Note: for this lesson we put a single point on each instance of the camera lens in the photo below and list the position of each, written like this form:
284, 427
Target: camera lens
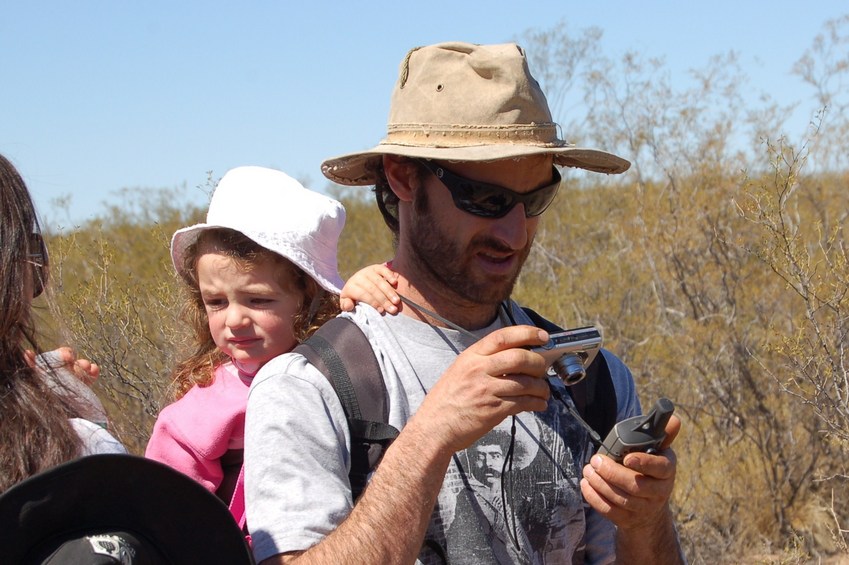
570, 368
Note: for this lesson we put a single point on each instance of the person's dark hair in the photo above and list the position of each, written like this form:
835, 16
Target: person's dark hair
35, 432
317, 304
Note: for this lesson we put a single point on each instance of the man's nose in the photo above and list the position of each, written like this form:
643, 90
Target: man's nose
512, 229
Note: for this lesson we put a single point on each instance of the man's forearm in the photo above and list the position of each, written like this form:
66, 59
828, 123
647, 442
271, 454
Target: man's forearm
388, 523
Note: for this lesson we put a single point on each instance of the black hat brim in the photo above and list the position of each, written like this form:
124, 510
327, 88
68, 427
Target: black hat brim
177, 516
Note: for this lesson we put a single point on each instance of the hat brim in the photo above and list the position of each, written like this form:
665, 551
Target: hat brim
107, 493
185, 237
358, 169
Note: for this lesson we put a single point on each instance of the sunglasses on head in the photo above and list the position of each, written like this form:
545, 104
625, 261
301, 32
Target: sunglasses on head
37, 258
489, 200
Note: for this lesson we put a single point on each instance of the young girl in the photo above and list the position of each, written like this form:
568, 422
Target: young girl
262, 276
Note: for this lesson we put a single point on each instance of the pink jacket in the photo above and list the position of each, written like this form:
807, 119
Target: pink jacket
192, 434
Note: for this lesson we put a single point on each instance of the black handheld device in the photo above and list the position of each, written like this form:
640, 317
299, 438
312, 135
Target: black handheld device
640, 433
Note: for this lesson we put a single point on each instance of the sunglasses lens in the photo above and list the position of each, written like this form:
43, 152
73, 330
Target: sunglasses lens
37, 281
482, 200
538, 201
38, 261
492, 201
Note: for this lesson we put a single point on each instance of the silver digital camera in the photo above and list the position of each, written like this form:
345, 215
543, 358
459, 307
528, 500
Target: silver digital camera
570, 352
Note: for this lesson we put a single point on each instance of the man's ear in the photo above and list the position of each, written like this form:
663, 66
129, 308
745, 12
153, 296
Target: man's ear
402, 175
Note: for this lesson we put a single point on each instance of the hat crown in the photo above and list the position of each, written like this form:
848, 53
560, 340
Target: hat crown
259, 199
461, 85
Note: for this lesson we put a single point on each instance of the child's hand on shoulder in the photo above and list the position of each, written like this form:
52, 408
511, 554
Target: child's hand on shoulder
374, 285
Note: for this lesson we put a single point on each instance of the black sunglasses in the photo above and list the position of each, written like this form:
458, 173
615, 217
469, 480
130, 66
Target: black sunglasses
37, 258
490, 200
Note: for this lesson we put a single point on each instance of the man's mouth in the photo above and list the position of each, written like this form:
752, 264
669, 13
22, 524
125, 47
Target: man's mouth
497, 263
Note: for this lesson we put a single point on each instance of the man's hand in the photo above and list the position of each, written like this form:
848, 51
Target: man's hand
494, 378
635, 497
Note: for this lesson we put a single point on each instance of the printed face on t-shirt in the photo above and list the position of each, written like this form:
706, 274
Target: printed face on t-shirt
487, 461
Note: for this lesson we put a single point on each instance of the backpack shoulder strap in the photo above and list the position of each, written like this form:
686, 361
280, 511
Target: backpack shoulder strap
594, 396
343, 354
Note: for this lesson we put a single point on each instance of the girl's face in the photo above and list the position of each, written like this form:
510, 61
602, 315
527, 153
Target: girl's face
250, 314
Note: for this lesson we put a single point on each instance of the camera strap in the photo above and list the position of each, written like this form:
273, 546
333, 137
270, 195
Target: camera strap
437, 317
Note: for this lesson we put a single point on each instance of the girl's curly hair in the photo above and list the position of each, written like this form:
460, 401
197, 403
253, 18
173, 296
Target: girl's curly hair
317, 304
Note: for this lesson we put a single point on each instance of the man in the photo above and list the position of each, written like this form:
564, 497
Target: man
465, 171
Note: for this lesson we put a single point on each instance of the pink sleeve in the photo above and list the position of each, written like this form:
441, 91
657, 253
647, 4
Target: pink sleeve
169, 445
192, 434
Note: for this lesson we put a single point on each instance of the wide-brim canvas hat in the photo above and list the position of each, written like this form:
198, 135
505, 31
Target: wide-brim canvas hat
466, 102
165, 516
278, 213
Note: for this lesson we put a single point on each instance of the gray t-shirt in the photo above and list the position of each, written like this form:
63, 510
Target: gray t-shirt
527, 510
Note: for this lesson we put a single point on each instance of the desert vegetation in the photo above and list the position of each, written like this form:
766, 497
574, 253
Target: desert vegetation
716, 268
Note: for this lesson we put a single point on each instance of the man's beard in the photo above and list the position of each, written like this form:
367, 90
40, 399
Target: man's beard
444, 260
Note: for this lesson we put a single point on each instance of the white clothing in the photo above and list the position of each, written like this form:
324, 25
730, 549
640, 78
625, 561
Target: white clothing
95, 438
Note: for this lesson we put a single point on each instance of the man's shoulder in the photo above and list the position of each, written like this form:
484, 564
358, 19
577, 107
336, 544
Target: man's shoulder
291, 364
380, 329
627, 401
617, 367
367, 319
527, 315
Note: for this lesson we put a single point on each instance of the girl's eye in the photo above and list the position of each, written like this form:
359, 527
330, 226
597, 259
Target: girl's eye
214, 303
261, 301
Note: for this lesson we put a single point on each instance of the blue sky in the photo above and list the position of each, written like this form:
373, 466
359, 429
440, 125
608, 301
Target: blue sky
100, 95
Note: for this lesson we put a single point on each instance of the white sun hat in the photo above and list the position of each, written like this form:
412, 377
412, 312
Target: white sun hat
280, 214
